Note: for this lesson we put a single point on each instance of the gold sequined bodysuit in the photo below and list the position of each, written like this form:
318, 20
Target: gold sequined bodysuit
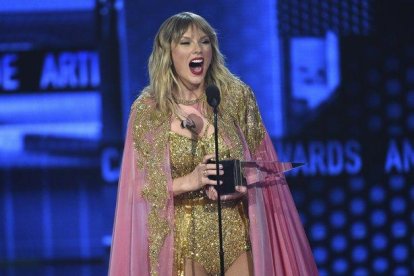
196, 225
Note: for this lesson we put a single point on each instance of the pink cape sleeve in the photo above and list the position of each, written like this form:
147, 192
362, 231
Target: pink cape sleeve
279, 242
130, 238
129, 248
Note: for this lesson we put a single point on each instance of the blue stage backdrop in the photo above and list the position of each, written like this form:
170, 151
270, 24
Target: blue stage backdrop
334, 81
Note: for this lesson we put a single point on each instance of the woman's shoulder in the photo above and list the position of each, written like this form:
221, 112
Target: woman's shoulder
144, 102
238, 91
146, 112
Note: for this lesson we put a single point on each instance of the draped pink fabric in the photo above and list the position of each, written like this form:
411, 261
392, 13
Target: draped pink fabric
129, 250
279, 243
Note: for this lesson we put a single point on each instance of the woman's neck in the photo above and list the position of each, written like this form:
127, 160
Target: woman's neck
189, 95
185, 94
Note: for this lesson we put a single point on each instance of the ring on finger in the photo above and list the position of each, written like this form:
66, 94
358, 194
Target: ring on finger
205, 173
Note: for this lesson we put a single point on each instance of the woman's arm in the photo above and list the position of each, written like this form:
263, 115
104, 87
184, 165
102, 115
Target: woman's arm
197, 179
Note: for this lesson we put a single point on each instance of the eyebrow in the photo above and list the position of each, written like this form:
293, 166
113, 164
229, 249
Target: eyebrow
187, 37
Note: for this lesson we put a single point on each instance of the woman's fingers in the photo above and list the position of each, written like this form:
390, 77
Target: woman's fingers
211, 193
206, 169
208, 172
204, 175
231, 196
213, 166
241, 189
207, 157
213, 182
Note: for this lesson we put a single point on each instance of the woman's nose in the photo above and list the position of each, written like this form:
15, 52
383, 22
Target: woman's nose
197, 48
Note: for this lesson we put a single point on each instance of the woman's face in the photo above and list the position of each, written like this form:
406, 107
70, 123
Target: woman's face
191, 57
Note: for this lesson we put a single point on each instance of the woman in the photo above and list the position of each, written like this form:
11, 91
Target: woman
166, 216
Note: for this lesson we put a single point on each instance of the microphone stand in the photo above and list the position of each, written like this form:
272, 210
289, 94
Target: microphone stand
218, 193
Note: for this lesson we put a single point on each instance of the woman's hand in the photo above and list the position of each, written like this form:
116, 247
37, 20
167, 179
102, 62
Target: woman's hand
198, 178
211, 192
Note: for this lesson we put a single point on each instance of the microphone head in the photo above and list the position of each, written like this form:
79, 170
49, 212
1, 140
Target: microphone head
213, 95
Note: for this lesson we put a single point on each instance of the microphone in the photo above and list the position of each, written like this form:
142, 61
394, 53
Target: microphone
213, 95
213, 99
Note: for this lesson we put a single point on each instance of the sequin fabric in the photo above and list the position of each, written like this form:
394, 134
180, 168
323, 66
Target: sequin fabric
238, 112
148, 126
196, 225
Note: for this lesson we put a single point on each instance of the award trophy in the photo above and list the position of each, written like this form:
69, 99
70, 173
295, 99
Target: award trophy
249, 173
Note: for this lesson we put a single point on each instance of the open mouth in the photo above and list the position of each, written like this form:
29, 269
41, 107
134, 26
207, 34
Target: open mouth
196, 66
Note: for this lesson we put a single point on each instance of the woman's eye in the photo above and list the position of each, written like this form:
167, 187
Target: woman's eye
207, 41
184, 43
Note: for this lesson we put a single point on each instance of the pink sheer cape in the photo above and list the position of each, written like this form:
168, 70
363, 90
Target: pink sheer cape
279, 243
129, 250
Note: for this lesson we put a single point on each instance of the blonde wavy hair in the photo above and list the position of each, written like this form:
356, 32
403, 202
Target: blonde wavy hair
161, 69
